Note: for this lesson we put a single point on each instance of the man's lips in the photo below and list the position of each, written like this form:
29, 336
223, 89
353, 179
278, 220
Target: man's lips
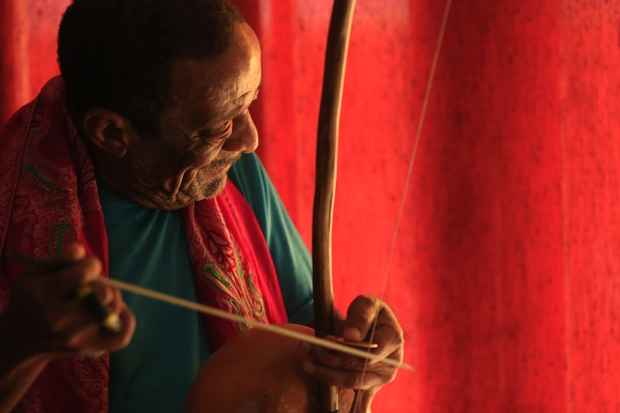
188, 177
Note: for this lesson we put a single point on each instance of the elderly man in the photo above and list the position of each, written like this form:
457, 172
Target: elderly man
138, 164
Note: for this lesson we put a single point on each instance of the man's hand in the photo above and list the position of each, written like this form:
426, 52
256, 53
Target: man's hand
45, 321
352, 372
44, 318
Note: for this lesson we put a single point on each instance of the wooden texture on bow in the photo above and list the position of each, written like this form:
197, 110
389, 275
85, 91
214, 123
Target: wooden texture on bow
325, 184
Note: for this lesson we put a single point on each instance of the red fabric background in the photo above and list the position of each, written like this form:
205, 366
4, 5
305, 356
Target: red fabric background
506, 272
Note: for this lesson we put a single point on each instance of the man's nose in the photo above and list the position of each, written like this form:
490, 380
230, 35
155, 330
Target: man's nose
244, 137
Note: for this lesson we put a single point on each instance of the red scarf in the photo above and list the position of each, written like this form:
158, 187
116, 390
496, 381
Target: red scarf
49, 197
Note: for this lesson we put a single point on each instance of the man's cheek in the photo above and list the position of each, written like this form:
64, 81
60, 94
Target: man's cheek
202, 159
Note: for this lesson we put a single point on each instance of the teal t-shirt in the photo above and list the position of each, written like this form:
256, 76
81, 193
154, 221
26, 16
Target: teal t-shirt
148, 247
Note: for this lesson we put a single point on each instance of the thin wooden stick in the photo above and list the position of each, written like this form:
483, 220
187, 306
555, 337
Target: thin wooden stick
325, 181
215, 312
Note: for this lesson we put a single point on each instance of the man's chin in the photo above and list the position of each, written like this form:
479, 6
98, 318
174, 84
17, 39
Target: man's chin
194, 193
212, 189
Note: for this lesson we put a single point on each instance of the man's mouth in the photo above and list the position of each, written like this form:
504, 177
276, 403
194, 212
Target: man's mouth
215, 172
186, 182
224, 164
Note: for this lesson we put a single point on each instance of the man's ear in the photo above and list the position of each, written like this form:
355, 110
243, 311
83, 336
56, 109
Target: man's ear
108, 131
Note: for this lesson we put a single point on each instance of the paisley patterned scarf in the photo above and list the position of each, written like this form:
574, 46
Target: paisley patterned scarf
49, 197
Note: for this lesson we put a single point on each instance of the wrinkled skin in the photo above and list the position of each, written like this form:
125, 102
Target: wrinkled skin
204, 129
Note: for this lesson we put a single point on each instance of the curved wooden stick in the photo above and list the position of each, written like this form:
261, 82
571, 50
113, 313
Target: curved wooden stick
325, 184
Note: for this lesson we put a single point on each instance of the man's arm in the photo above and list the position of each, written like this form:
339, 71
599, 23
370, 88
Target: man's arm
41, 323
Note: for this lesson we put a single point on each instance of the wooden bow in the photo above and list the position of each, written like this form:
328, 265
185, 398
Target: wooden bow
325, 183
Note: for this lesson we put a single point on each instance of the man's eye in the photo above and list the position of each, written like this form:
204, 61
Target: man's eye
217, 133
225, 130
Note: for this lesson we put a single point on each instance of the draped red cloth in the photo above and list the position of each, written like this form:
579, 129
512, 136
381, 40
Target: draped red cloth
48, 198
505, 277
506, 272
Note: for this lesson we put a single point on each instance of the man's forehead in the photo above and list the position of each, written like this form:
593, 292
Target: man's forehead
203, 96
204, 91
229, 76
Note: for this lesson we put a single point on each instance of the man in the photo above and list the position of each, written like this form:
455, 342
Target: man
138, 164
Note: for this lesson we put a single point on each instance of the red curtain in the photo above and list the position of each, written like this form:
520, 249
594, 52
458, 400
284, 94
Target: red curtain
28, 30
505, 272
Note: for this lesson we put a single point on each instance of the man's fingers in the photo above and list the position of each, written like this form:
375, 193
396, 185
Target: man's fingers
76, 336
348, 380
66, 282
352, 364
338, 360
388, 334
89, 337
68, 319
73, 252
72, 314
105, 295
64, 304
366, 312
360, 317
58, 279
99, 299
116, 305
113, 342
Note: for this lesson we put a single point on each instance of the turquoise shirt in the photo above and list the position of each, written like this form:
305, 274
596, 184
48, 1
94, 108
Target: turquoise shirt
148, 247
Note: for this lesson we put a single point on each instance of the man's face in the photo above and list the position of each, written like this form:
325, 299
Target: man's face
204, 130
